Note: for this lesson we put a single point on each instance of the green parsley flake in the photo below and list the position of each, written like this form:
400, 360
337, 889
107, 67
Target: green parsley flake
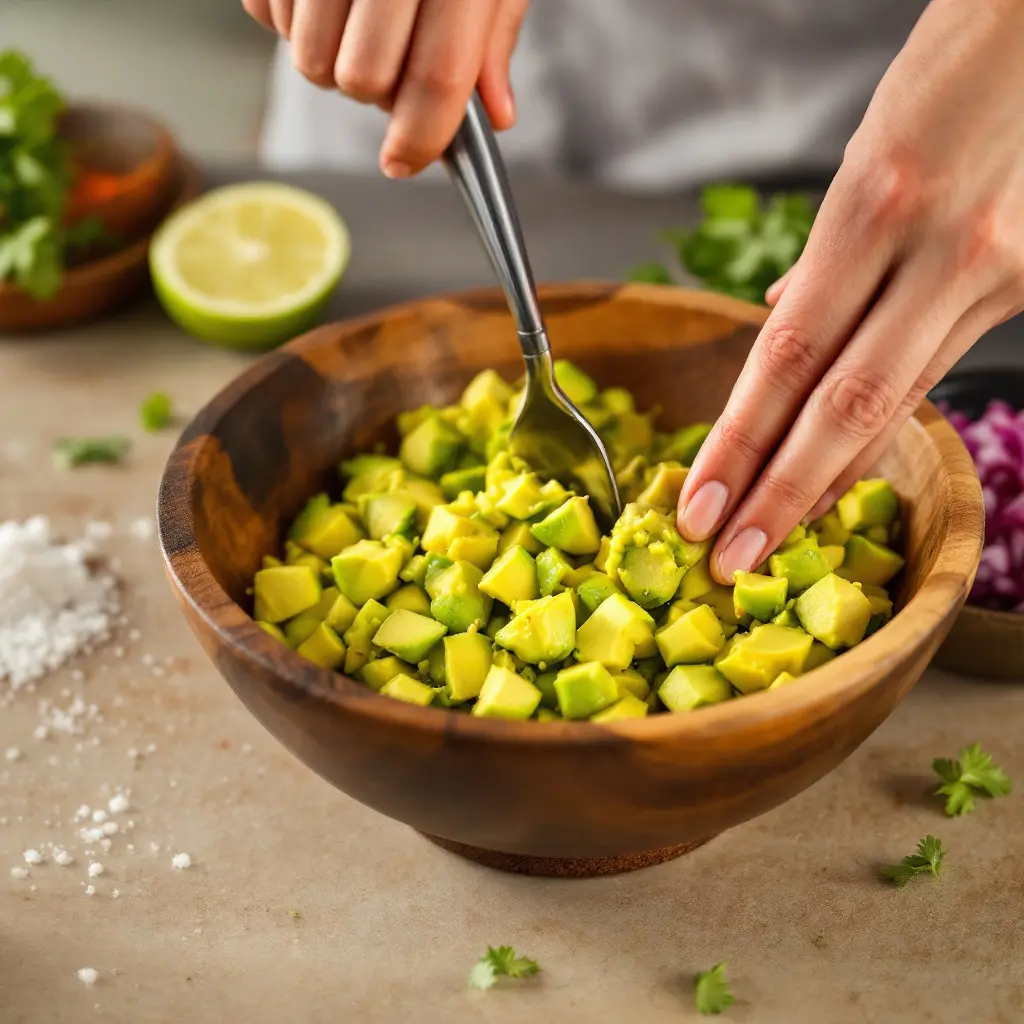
156, 412
78, 451
975, 771
711, 992
928, 858
500, 963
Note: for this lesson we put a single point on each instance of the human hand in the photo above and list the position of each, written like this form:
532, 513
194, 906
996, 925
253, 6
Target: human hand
420, 60
917, 250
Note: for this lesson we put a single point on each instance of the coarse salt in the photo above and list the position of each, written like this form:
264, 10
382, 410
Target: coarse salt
180, 861
95, 869
19, 873
41, 732
33, 857
142, 528
118, 803
99, 815
90, 890
62, 858
13, 754
88, 976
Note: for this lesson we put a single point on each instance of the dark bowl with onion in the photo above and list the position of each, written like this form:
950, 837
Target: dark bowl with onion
986, 406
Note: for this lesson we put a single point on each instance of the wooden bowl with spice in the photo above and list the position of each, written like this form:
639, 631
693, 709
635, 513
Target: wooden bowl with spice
559, 798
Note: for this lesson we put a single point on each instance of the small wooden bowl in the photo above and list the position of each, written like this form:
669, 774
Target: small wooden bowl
983, 642
99, 287
565, 798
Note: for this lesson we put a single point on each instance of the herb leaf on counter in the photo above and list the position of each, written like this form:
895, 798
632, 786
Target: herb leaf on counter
78, 451
711, 992
975, 771
500, 963
928, 858
156, 412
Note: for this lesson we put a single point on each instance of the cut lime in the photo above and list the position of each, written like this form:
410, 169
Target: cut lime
249, 266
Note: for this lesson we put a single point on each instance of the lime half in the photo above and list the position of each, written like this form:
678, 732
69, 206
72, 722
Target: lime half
249, 266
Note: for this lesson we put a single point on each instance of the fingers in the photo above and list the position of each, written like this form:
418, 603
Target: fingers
777, 290
374, 49
259, 10
281, 16
444, 63
316, 30
494, 85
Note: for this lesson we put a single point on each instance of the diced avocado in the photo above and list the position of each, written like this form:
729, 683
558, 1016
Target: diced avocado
570, 527
615, 633
409, 419
323, 647
415, 569
755, 659
552, 567
387, 513
295, 555
519, 533
834, 611
868, 562
303, 625
271, 630
367, 571
617, 400
697, 581
761, 597
649, 574
410, 597
543, 632
270, 562
513, 577
720, 599
284, 591
412, 691
467, 661
782, 679
496, 622
408, 636
368, 473
601, 558
358, 637
484, 406
506, 694
377, 672
584, 690
879, 534
545, 714
545, 682
324, 529
578, 387
881, 602
835, 553
431, 448
521, 496
629, 433
802, 564
460, 538
627, 706
631, 478
688, 687
629, 680
425, 493
341, 614
830, 529
663, 490
819, 655
596, 589
868, 503
458, 480
456, 599
676, 610
684, 444
787, 617
694, 638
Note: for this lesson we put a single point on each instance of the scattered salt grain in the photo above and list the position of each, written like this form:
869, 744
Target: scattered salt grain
33, 857
142, 528
19, 873
13, 754
148, 659
92, 835
90, 890
83, 812
180, 861
77, 675
99, 530
99, 815
135, 635
62, 857
118, 651
111, 828
118, 803
116, 894
150, 748
41, 733
88, 976
95, 869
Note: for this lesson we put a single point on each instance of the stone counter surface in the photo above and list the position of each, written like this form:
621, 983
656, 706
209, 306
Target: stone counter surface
303, 906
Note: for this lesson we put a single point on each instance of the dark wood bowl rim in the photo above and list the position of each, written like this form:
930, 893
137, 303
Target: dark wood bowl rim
818, 691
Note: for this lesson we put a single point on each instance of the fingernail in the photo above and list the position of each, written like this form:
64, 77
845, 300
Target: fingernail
704, 510
825, 502
743, 552
396, 169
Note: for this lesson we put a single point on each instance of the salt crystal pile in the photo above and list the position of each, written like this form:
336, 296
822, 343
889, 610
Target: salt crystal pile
51, 604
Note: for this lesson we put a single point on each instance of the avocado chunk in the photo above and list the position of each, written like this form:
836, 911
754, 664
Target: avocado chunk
513, 577
676, 610
467, 661
387, 513
367, 571
570, 527
834, 611
594, 590
411, 597
552, 567
324, 529
431, 447
521, 496
650, 575
578, 387
282, 592
543, 631
693, 638
519, 533
323, 647
627, 706
720, 599
798, 533
584, 690
802, 564
358, 637
506, 694
457, 481
405, 688
629, 680
820, 655
425, 493
756, 658
616, 633
456, 599
835, 553
545, 682
663, 490
782, 679
458, 537
688, 687
697, 581
377, 672
760, 597
787, 617
868, 503
271, 630
548, 715
368, 473
408, 636
881, 602
868, 562
684, 444
830, 530
298, 629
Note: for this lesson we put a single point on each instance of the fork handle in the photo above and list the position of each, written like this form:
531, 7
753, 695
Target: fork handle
474, 163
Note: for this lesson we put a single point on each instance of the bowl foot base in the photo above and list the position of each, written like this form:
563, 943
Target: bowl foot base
564, 867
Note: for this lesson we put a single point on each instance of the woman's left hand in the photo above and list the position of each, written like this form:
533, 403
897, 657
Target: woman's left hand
918, 249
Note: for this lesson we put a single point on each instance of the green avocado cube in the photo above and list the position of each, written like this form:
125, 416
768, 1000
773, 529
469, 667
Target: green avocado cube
760, 597
303, 625
323, 647
410, 597
505, 694
341, 614
384, 514
455, 596
830, 530
584, 690
818, 656
802, 564
519, 534
324, 529
271, 630
753, 660
629, 680
406, 688
684, 444
545, 682
868, 562
698, 581
693, 638
571, 528
552, 568
520, 496
548, 715
408, 636
367, 571
688, 687
467, 661
782, 679
866, 504
284, 591
627, 706
457, 481
578, 387
594, 590
835, 553
432, 447
377, 672
665, 484
513, 577
834, 611
787, 617
358, 637
650, 575
617, 632
541, 632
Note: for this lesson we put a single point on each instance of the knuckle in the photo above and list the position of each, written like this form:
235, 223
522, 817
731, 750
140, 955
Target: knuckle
786, 351
441, 80
736, 443
313, 66
257, 9
858, 402
785, 495
886, 190
362, 82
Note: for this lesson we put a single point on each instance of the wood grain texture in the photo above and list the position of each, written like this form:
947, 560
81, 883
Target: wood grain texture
247, 463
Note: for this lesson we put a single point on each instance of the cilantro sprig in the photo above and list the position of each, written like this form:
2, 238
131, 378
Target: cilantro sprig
711, 992
973, 772
70, 452
927, 860
741, 245
156, 412
500, 963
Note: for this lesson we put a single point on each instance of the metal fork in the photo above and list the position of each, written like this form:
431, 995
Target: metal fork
549, 432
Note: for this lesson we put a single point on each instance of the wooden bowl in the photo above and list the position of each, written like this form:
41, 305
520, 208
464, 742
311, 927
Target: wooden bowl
562, 798
96, 288
983, 642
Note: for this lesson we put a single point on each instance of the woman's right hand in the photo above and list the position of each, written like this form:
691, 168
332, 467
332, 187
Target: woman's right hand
419, 60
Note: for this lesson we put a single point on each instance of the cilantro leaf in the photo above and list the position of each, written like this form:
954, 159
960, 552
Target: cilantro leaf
156, 412
500, 963
77, 451
928, 858
975, 771
711, 992
650, 273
